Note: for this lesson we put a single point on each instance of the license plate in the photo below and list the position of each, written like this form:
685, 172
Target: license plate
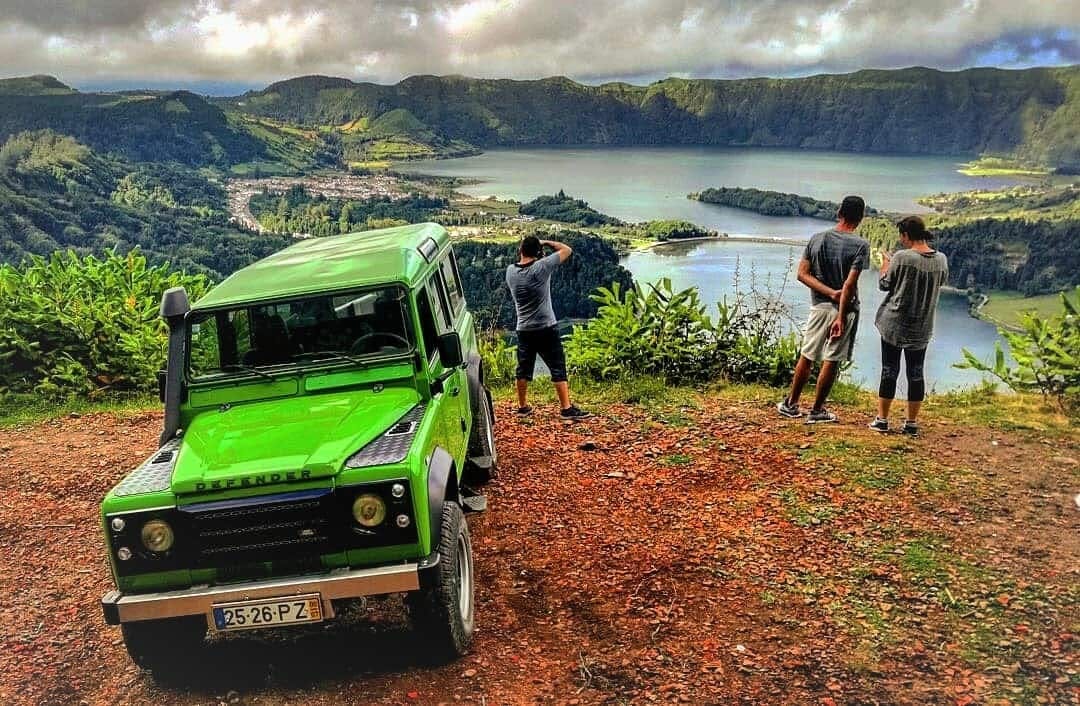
267, 612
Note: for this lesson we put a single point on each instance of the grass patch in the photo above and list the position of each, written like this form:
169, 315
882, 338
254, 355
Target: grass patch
30, 409
998, 166
805, 513
984, 405
1005, 307
865, 465
677, 460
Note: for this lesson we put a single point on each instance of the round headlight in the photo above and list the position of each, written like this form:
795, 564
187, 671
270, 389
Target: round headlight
402, 521
157, 536
397, 490
369, 510
117, 524
123, 553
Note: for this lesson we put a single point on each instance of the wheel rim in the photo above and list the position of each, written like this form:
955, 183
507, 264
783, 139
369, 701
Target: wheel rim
464, 577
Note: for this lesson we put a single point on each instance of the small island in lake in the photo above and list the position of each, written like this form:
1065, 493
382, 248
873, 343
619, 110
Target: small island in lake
770, 203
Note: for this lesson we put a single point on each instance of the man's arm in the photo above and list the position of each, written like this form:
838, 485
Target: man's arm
807, 278
846, 295
562, 249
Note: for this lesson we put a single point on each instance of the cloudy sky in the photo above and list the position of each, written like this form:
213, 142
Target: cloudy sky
221, 45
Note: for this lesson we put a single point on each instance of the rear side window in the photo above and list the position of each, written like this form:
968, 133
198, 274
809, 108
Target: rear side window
428, 328
453, 284
438, 288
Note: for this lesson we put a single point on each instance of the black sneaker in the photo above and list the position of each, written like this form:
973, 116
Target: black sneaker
524, 411
820, 416
791, 411
910, 428
879, 424
573, 412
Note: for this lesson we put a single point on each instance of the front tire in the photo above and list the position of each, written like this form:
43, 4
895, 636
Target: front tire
443, 613
159, 645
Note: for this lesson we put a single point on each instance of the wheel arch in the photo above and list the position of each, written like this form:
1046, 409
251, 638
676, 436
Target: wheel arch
442, 485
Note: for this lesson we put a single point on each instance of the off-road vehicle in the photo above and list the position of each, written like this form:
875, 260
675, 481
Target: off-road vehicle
325, 422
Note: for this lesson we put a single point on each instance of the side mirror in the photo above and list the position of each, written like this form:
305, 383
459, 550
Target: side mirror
449, 345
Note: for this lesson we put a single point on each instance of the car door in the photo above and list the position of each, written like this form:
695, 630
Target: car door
453, 398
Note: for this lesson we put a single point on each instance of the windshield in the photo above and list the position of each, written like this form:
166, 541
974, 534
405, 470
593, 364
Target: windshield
338, 327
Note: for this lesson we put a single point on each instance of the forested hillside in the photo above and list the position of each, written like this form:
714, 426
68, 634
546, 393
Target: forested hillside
56, 193
297, 211
175, 127
1033, 114
483, 275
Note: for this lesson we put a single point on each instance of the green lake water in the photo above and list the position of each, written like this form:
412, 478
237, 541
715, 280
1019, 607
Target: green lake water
638, 184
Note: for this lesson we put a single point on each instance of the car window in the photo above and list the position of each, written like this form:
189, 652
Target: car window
301, 331
443, 309
428, 328
448, 267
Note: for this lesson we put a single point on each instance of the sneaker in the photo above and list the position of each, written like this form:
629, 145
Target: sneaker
524, 411
879, 424
790, 411
573, 412
820, 416
910, 428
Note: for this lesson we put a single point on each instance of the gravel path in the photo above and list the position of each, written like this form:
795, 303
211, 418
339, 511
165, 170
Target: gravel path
701, 553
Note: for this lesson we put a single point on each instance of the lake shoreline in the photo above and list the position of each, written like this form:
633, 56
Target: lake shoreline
721, 239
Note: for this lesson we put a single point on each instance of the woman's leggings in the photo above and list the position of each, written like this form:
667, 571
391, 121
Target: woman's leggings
890, 370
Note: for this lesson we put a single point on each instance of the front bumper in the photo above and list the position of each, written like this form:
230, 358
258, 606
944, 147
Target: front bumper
198, 600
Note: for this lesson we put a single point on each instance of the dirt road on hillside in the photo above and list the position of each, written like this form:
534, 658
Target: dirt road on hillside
700, 553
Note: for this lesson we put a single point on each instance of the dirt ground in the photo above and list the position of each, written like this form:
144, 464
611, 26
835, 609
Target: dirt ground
702, 551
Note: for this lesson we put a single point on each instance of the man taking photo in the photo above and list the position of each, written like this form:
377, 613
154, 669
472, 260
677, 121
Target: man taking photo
830, 267
529, 282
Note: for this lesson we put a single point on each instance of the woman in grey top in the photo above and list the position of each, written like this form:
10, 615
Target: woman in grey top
912, 279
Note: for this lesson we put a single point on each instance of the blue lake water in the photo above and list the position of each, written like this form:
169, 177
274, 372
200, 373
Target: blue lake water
637, 184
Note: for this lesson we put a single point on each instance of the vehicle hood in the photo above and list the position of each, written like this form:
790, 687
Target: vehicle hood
282, 440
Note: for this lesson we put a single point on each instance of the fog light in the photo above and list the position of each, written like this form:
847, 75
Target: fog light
117, 524
402, 521
157, 536
397, 490
123, 553
369, 510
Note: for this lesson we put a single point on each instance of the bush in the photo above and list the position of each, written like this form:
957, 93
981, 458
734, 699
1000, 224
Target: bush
668, 334
500, 361
1047, 355
79, 326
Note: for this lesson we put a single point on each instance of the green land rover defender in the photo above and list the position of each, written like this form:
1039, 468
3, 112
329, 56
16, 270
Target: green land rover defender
326, 422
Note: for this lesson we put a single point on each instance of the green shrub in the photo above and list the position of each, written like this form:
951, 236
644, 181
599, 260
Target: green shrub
78, 326
500, 361
1047, 355
669, 334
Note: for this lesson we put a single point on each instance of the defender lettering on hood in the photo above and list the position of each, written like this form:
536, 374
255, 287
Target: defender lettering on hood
250, 481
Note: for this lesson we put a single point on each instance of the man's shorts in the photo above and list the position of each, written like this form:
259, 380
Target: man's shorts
546, 343
816, 345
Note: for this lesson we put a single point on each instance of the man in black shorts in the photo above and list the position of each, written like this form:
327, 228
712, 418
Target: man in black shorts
529, 282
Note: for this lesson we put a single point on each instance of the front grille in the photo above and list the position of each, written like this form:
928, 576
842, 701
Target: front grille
267, 528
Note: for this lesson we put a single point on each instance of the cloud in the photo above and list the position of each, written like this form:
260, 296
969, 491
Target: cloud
258, 41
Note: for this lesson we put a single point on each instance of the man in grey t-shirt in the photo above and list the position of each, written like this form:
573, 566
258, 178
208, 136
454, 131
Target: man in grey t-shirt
529, 282
830, 267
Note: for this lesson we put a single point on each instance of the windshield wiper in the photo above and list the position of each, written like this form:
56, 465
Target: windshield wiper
329, 355
248, 369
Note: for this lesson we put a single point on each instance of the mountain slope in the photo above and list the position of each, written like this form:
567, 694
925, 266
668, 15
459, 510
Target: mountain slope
177, 126
1029, 113
56, 193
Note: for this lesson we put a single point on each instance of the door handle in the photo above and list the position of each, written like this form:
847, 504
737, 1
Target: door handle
455, 392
